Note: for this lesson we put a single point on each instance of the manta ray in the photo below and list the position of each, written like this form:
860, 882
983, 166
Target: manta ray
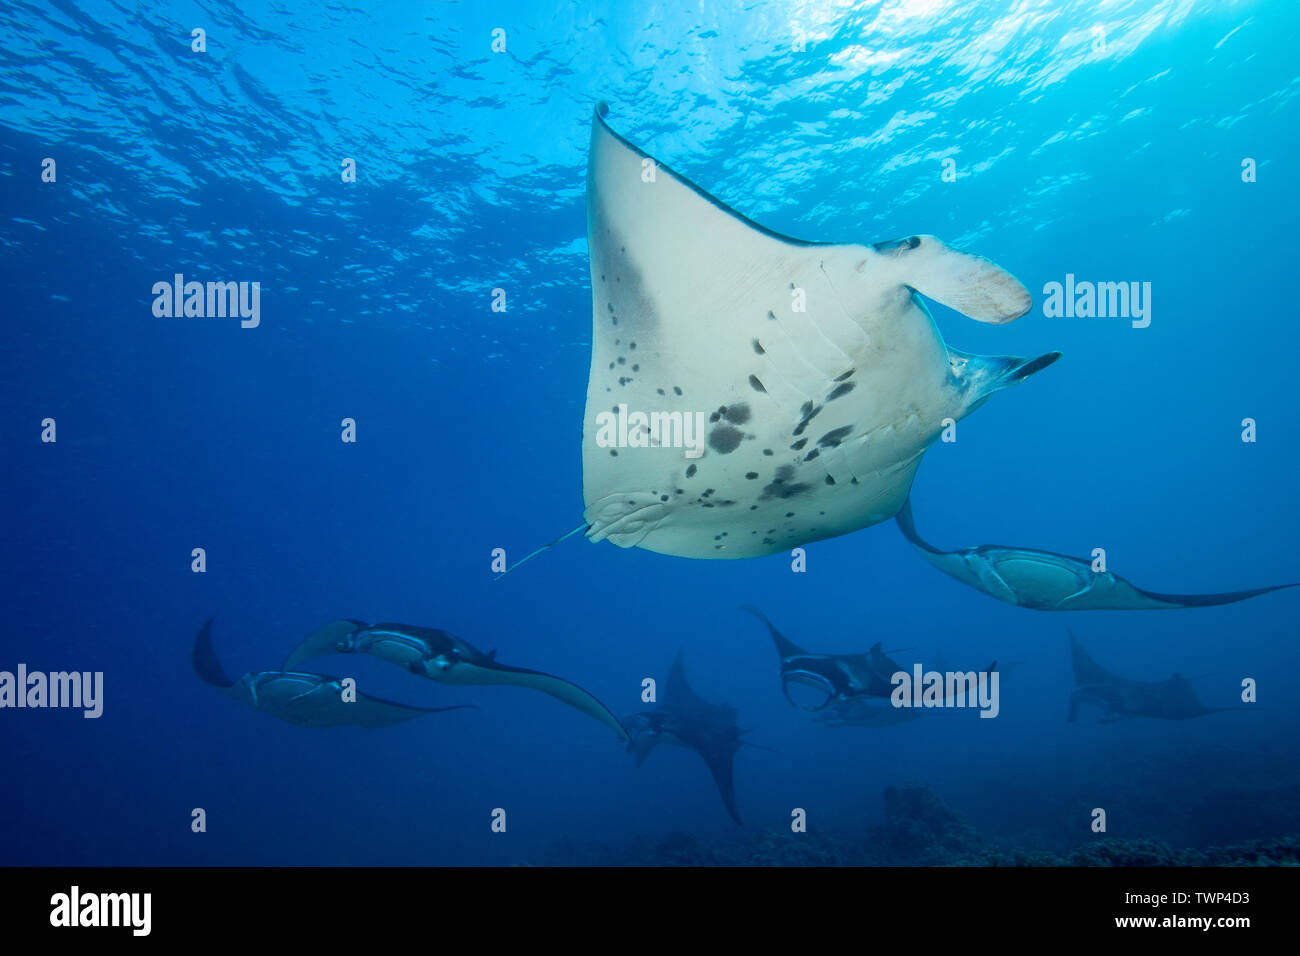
444, 658
750, 392
854, 684
301, 698
1118, 697
1045, 581
687, 720
816, 368
841, 677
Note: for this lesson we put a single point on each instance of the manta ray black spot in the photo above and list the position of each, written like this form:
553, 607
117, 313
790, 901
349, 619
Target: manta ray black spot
610, 306
622, 360
753, 508
690, 471
767, 451
637, 368
613, 453
811, 455
677, 390
611, 366
853, 481
808, 416
842, 377
737, 414
631, 345
715, 417
771, 316
830, 480
836, 435
758, 347
789, 514
707, 492
751, 475
724, 439
839, 392
798, 446
755, 384
778, 487
659, 390
663, 497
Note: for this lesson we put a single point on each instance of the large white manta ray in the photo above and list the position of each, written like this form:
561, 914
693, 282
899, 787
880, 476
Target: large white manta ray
818, 373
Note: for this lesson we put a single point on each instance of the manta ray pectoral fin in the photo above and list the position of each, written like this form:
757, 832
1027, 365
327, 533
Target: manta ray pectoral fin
376, 712
490, 672
784, 646
969, 284
322, 641
1204, 600
205, 662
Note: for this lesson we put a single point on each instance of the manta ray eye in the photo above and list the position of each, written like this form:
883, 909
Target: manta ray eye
442, 662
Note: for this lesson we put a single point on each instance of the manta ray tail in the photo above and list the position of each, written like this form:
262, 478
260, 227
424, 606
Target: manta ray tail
784, 646
205, 660
545, 547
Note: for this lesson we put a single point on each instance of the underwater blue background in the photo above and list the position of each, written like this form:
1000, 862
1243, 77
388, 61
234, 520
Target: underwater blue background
376, 305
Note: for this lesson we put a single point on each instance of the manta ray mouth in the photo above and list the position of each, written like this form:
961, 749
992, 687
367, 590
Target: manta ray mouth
807, 679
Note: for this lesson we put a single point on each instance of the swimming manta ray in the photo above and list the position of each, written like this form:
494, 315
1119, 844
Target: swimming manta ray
821, 373
445, 658
1119, 697
841, 677
852, 683
1046, 581
301, 698
819, 369
687, 720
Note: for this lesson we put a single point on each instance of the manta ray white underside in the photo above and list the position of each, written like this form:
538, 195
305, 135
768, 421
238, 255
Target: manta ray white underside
819, 374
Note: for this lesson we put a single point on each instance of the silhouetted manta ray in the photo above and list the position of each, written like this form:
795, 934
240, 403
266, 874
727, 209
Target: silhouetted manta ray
839, 676
1119, 697
686, 719
300, 698
847, 680
445, 658
1045, 581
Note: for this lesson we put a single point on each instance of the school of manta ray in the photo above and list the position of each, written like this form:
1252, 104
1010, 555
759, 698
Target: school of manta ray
818, 418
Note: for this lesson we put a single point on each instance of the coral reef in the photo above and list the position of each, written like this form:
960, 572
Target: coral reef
919, 829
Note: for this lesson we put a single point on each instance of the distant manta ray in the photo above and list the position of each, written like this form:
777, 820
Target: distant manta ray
854, 684
302, 698
445, 658
818, 367
688, 720
1120, 698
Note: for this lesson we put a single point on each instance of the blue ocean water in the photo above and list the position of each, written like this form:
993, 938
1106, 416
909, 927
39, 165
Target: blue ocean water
1107, 144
